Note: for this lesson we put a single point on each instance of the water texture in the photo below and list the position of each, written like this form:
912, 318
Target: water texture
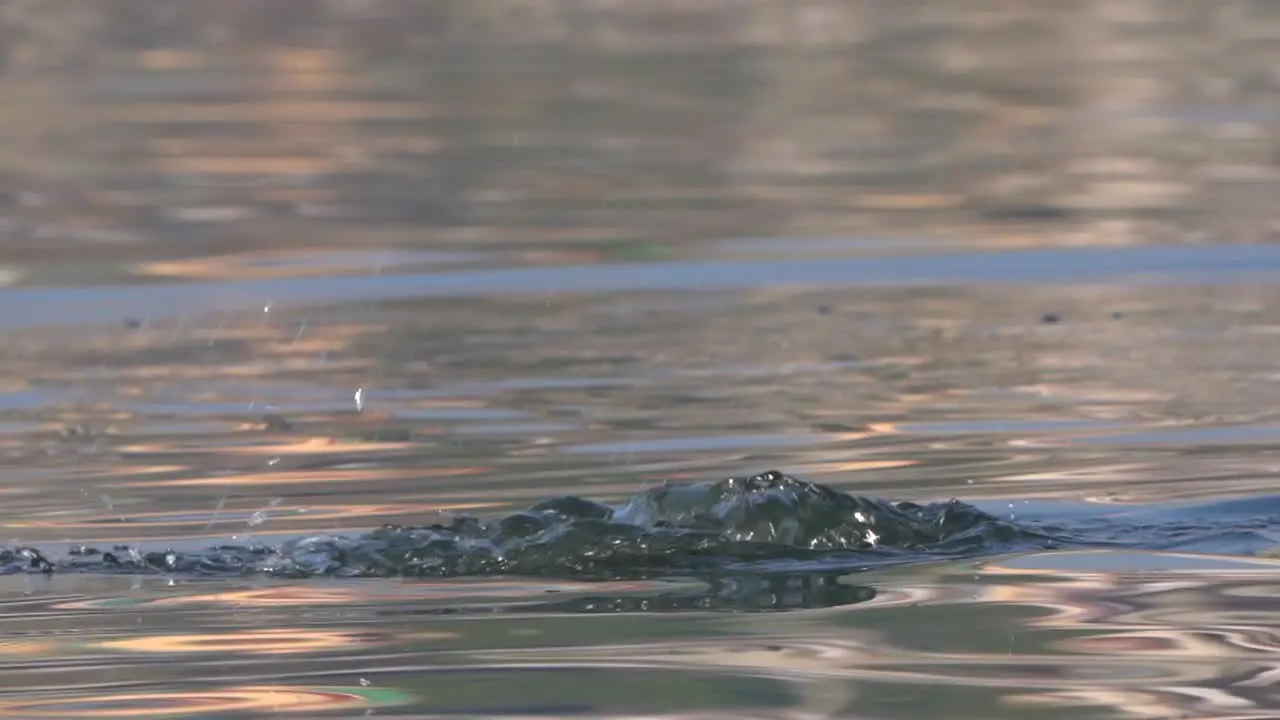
364, 358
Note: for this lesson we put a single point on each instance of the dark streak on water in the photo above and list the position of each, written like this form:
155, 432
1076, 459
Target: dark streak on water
1153, 264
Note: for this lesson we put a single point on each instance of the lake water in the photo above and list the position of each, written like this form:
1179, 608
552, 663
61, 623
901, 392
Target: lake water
680, 359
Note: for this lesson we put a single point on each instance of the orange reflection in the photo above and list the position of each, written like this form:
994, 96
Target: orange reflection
1151, 642
924, 201
27, 648
849, 466
130, 470
302, 446
308, 595
168, 59
295, 477
278, 264
243, 699
273, 641
280, 514
290, 596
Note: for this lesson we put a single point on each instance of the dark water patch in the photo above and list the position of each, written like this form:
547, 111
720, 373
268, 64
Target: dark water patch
765, 592
739, 593
1028, 213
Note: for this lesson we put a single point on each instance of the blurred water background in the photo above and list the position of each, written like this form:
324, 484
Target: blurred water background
280, 268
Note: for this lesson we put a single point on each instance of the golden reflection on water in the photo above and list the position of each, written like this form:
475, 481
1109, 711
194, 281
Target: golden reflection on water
269, 479
255, 642
245, 266
279, 514
311, 447
30, 648
319, 593
213, 702
845, 466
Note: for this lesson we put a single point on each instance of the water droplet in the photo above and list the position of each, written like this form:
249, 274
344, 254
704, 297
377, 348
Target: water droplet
222, 502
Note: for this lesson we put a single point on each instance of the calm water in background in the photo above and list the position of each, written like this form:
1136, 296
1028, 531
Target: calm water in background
282, 268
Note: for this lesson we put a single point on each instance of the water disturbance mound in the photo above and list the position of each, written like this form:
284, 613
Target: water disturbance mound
671, 529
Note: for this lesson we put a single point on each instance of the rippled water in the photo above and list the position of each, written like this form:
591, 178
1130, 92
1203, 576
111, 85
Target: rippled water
511, 359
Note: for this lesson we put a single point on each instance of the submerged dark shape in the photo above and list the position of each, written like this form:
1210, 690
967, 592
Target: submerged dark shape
701, 528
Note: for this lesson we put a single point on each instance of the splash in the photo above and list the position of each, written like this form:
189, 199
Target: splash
672, 529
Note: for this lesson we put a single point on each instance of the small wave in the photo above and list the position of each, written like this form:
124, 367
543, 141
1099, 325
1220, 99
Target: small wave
671, 529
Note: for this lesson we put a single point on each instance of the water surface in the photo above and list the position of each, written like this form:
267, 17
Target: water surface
528, 282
